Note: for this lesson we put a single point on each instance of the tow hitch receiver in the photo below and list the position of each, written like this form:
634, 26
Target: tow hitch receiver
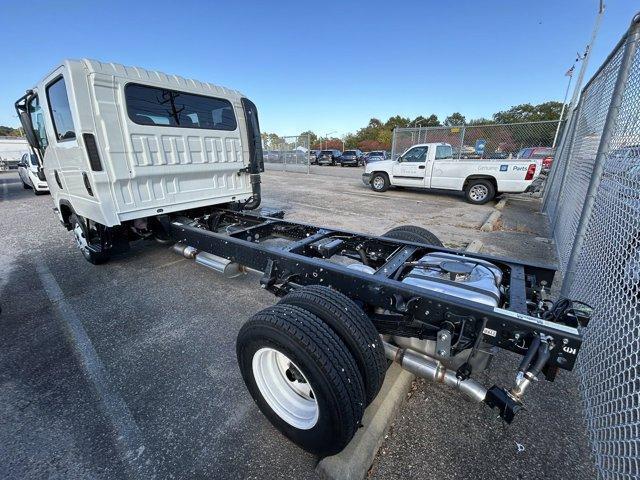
507, 405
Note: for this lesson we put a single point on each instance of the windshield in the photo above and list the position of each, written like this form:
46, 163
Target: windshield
376, 154
349, 152
326, 152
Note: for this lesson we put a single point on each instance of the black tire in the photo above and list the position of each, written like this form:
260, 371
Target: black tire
36, 192
323, 360
96, 258
24, 185
380, 185
353, 327
413, 233
475, 188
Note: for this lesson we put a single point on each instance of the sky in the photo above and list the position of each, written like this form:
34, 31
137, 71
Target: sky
323, 66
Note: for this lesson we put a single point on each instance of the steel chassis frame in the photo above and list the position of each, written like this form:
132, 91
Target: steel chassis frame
414, 311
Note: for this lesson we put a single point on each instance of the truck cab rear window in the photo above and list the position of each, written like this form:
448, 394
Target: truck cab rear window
159, 106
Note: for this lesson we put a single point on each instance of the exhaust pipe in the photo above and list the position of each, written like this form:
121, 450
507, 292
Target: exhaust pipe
431, 369
256, 196
185, 250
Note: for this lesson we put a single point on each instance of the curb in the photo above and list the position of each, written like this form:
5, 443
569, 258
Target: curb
502, 203
475, 246
491, 223
354, 461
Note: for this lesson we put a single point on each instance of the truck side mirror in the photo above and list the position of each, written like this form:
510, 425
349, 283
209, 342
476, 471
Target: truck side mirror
32, 139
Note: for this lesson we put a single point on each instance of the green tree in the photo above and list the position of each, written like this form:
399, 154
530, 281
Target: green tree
480, 121
9, 132
396, 121
455, 119
313, 138
526, 112
430, 121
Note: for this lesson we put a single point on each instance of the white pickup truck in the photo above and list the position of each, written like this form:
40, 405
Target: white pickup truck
431, 165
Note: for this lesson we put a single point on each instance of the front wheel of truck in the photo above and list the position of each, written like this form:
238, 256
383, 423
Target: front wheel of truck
380, 182
479, 191
85, 236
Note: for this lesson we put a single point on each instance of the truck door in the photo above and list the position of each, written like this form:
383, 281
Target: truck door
409, 169
63, 132
444, 170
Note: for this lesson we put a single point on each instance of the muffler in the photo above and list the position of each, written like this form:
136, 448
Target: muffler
433, 370
221, 265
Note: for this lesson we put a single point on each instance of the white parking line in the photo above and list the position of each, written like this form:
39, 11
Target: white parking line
128, 439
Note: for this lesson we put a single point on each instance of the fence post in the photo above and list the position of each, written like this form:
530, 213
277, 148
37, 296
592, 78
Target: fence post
463, 129
563, 174
564, 140
630, 48
308, 154
393, 143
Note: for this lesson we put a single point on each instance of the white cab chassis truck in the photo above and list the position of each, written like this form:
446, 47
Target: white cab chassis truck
129, 154
432, 166
120, 145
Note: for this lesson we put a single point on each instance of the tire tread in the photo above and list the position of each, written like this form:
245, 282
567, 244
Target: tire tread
353, 327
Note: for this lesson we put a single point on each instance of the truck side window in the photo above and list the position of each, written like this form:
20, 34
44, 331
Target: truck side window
37, 120
444, 151
416, 154
60, 111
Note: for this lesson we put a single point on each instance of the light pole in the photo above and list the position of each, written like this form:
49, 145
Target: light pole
564, 104
326, 138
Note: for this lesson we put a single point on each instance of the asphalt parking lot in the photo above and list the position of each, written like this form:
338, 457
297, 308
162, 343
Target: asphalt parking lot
129, 370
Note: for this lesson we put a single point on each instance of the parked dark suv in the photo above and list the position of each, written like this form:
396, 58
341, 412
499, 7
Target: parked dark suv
329, 157
313, 156
352, 158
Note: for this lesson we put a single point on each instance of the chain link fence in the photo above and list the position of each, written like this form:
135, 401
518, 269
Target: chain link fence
593, 204
287, 153
492, 141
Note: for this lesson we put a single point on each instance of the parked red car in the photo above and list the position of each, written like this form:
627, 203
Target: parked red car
545, 153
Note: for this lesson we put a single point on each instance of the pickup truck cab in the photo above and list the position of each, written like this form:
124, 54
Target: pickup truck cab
431, 165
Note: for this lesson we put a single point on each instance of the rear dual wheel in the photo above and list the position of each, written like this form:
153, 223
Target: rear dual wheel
415, 234
306, 374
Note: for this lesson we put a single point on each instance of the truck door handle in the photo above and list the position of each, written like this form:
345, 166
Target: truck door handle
421, 167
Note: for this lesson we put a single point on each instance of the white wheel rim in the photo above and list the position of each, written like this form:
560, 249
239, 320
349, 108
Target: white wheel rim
80, 238
378, 183
285, 388
478, 192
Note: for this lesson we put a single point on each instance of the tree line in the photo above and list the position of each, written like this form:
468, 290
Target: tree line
10, 132
377, 135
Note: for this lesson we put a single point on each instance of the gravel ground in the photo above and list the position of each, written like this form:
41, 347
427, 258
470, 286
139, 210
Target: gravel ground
160, 332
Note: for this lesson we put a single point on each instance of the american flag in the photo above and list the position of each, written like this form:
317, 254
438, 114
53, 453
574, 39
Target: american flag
570, 72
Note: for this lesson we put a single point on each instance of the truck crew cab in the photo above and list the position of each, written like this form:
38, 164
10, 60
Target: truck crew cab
431, 165
120, 145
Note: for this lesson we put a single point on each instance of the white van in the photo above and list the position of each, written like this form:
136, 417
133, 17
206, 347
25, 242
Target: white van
120, 145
